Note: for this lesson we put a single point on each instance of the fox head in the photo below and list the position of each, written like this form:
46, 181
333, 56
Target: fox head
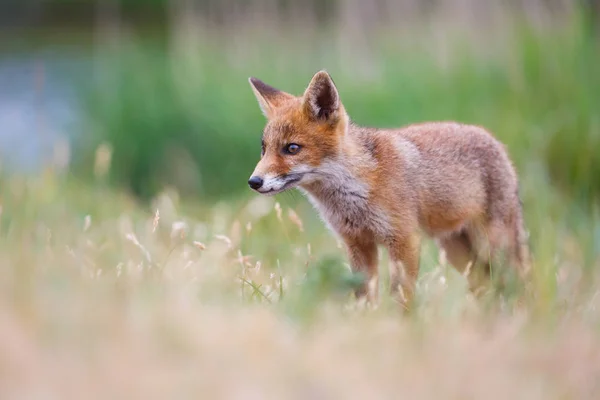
301, 134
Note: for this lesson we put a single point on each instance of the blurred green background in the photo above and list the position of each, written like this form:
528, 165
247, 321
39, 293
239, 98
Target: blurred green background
164, 83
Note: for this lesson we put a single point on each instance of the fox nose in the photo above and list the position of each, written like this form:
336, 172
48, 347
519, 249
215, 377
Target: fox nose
255, 182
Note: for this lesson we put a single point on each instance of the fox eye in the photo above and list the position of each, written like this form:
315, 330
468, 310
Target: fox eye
262, 148
291, 148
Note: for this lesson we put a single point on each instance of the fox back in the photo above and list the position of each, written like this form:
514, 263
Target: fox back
452, 182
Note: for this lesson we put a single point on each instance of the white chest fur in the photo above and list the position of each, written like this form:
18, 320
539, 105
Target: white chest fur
344, 204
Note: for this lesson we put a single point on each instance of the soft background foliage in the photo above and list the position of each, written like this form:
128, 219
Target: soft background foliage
136, 263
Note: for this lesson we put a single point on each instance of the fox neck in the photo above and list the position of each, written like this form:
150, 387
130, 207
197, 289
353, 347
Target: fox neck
339, 182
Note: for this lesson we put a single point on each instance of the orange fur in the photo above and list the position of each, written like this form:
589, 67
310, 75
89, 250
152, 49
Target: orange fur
451, 181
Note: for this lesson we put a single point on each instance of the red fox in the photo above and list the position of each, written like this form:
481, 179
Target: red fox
452, 182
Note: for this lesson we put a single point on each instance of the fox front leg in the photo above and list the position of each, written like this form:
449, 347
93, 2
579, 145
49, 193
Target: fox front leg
404, 268
363, 259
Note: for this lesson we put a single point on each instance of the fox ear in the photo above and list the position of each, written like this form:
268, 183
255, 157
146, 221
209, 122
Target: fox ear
321, 98
268, 97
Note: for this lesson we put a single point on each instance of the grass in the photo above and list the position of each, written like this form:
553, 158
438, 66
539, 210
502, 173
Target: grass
113, 298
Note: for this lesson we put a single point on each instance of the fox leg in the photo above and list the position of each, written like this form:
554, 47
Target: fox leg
483, 252
363, 259
459, 251
404, 268
500, 246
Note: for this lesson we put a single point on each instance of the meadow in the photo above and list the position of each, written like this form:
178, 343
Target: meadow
149, 270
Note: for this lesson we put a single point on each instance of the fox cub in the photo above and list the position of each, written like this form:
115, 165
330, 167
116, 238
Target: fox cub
452, 182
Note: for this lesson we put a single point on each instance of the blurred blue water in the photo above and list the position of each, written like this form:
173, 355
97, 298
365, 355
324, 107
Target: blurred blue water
38, 104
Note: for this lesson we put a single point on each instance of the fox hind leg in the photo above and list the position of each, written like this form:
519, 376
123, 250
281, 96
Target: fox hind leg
459, 251
487, 254
504, 252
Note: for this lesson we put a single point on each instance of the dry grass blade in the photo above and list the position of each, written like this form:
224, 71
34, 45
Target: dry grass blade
256, 288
